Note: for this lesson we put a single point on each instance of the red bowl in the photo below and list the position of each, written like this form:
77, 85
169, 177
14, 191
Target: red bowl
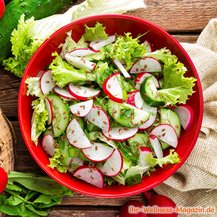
119, 24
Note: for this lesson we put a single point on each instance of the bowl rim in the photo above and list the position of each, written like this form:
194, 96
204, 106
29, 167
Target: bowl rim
175, 166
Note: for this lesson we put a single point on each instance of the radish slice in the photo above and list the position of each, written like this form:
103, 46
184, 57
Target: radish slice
147, 46
122, 69
141, 77
80, 62
76, 135
48, 144
98, 117
113, 165
48, 106
131, 98
120, 133
82, 52
186, 114
156, 146
82, 93
139, 103
63, 93
81, 109
147, 64
112, 87
46, 83
90, 175
97, 45
166, 133
143, 152
98, 152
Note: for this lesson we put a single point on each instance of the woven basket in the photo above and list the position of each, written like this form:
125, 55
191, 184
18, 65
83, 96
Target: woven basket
7, 140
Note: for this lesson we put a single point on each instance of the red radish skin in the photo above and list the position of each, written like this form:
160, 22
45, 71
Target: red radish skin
141, 77
166, 133
186, 116
76, 135
82, 52
46, 83
2, 8
147, 64
82, 109
3, 179
48, 144
82, 93
120, 133
90, 175
112, 87
49, 108
128, 208
64, 93
113, 165
98, 152
161, 201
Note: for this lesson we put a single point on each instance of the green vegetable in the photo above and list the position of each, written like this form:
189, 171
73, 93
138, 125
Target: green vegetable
37, 8
39, 119
176, 87
64, 73
125, 48
28, 194
33, 86
95, 33
172, 158
127, 115
102, 71
30, 34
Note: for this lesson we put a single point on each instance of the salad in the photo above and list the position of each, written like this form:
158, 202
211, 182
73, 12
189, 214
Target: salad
108, 106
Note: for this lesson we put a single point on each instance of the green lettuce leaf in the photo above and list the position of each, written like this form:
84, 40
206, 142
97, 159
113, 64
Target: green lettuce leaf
126, 48
95, 33
64, 73
102, 71
176, 87
172, 158
39, 119
24, 44
33, 86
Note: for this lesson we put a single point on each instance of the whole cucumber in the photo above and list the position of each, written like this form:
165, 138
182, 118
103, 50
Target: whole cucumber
14, 9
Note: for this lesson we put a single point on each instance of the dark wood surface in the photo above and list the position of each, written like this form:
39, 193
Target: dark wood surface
184, 19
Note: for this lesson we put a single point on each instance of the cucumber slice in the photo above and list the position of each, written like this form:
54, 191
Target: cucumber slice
168, 116
61, 115
127, 115
149, 93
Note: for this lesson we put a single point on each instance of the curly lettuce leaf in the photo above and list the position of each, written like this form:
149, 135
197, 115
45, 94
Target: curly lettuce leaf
126, 49
64, 73
176, 87
33, 87
39, 119
172, 158
24, 44
95, 33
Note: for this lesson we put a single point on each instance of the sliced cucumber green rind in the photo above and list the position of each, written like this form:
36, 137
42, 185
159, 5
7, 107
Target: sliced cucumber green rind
61, 115
149, 93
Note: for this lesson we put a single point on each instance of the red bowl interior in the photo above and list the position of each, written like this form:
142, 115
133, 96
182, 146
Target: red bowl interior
119, 24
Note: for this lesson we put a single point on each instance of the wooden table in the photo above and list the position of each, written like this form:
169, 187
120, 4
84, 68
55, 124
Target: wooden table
184, 19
